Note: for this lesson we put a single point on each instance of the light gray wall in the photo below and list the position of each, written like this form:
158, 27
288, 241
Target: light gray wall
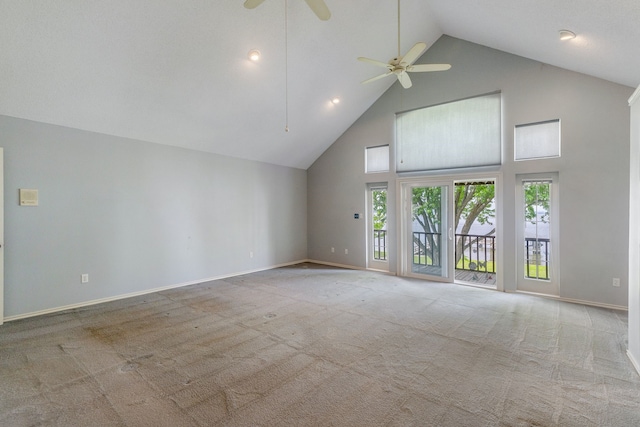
593, 170
136, 216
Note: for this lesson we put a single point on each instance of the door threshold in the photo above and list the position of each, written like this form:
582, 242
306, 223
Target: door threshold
475, 284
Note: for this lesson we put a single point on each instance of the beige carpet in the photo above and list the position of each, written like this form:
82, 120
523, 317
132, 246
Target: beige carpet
317, 346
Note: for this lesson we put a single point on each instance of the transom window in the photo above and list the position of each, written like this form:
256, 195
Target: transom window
377, 159
458, 134
537, 140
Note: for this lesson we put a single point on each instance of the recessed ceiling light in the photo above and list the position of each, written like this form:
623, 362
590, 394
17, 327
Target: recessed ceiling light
254, 55
335, 100
567, 35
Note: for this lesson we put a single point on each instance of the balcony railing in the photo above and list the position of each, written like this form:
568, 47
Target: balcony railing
426, 248
537, 258
380, 245
478, 253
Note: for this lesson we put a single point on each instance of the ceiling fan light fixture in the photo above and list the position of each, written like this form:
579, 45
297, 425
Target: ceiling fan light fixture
254, 55
567, 35
400, 66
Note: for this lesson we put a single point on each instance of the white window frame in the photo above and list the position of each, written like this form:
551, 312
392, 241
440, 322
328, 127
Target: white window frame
543, 156
458, 135
369, 153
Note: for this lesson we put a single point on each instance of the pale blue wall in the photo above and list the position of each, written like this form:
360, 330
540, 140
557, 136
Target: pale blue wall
136, 216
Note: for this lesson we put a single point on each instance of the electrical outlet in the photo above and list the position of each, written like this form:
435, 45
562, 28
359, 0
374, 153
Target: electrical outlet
84, 278
616, 282
333, 250
346, 251
251, 254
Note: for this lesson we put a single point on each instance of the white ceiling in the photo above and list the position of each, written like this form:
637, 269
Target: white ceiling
176, 71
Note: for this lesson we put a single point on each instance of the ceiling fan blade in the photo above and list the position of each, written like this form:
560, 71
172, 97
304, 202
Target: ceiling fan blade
405, 80
252, 4
320, 8
423, 68
414, 53
373, 79
374, 62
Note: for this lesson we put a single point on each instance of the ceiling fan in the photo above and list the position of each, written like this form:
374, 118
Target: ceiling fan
319, 7
401, 65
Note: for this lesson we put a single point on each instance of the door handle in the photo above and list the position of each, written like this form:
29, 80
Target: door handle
450, 233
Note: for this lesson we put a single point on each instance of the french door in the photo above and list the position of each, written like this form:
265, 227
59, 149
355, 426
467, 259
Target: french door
427, 230
448, 229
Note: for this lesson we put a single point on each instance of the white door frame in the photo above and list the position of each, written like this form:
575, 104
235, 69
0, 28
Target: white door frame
404, 217
373, 263
405, 243
551, 286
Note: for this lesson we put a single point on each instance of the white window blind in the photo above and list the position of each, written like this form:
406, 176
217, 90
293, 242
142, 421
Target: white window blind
377, 159
458, 134
537, 140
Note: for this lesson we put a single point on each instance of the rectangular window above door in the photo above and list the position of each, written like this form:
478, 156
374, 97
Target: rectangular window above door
459, 134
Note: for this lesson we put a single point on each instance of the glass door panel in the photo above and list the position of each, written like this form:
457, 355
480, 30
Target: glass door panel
475, 239
448, 229
429, 231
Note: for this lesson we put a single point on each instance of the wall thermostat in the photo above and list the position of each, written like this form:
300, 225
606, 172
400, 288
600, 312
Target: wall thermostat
28, 197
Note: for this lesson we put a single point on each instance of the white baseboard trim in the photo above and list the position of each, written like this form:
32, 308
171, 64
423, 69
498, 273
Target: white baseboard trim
576, 301
144, 292
596, 304
634, 362
350, 267
335, 264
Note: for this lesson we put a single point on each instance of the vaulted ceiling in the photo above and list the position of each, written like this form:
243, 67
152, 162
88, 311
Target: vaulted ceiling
176, 72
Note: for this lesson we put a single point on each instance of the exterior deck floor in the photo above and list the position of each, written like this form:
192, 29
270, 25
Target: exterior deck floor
464, 276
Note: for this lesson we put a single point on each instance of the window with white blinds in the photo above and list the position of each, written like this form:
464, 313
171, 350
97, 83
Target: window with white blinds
459, 134
377, 159
537, 140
